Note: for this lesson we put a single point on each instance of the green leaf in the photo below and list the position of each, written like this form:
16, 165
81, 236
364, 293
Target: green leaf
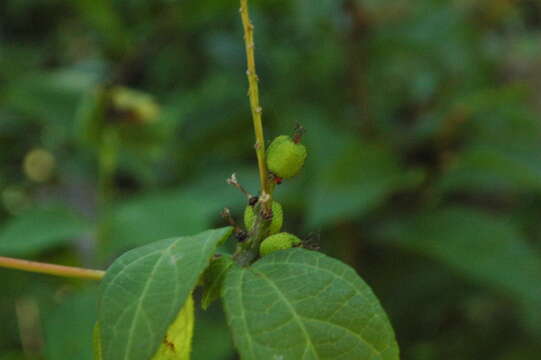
360, 177
489, 168
96, 341
298, 304
486, 249
145, 288
50, 96
213, 279
349, 176
177, 344
165, 214
90, 116
68, 329
38, 230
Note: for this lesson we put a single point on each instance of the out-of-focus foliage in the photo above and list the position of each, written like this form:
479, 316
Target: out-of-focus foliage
423, 168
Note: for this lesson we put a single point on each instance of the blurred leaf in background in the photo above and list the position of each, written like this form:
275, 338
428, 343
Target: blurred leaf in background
69, 327
40, 229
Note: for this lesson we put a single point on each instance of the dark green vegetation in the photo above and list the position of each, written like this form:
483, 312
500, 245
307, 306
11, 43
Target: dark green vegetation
424, 170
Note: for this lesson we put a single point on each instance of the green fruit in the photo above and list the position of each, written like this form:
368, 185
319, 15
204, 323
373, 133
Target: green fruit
280, 241
277, 218
285, 158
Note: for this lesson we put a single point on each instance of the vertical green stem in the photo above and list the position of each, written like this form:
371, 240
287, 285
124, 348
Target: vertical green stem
253, 93
248, 252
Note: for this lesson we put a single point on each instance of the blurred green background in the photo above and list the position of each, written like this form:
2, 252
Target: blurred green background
424, 167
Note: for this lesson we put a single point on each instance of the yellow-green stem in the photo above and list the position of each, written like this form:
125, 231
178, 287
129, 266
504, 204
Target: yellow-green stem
50, 269
253, 93
248, 252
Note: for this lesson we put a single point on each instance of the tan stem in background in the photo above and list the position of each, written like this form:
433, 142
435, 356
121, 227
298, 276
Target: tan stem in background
50, 269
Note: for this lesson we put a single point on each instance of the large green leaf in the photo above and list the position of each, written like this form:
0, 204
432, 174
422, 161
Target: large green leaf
486, 249
39, 230
298, 304
144, 290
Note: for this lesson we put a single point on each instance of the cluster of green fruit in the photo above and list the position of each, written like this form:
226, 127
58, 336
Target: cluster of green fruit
285, 158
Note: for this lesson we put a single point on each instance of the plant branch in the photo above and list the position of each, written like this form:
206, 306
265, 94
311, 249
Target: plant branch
248, 251
50, 269
253, 93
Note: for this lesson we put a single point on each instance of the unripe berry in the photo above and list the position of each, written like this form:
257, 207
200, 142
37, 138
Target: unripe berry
280, 241
285, 158
277, 218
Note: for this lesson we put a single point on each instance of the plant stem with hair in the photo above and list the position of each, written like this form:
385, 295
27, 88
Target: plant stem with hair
253, 94
249, 251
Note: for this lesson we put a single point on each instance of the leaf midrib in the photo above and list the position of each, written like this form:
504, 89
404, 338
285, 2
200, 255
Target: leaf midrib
297, 318
137, 307
142, 297
293, 313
